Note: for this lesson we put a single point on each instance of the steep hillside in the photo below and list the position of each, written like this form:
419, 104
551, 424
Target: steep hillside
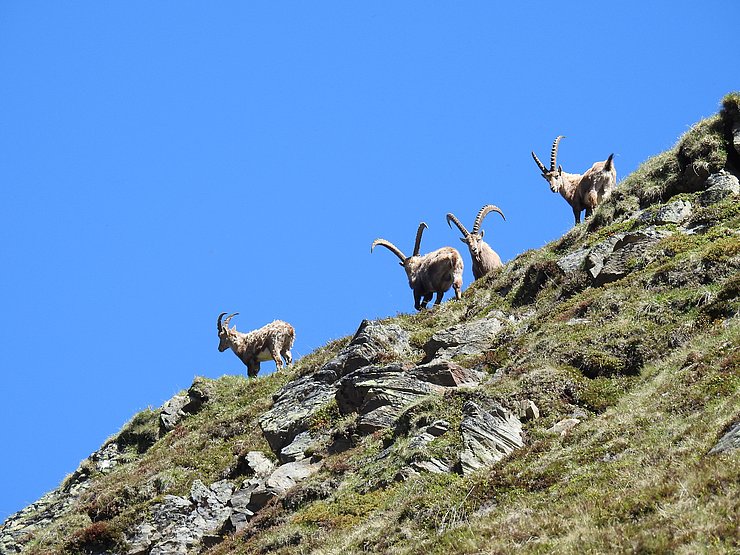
584, 399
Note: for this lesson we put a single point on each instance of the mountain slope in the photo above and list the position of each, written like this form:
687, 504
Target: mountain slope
586, 398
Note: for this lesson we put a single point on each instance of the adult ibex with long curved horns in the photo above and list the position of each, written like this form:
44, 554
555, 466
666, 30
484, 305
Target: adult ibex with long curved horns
484, 257
273, 341
581, 191
431, 273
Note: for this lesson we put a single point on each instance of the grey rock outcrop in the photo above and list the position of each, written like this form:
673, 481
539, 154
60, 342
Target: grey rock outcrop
380, 393
293, 407
573, 261
464, 339
372, 343
675, 212
611, 259
178, 524
719, 186
298, 401
488, 435
181, 406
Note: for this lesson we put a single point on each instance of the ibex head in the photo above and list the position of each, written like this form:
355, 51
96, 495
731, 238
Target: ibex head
553, 176
473, 238
224, 338
395, 250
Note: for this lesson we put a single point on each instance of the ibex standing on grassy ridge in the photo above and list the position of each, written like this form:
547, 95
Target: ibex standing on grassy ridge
272, 341
585, 191
484, 257
434, 272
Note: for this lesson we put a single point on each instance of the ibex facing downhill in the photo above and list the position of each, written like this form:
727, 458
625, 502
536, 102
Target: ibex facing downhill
272, 341
584, 191
484, 257
434, 272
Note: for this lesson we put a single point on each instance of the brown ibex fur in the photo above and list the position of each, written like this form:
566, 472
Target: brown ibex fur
581, 191
272, 341
484, 257
431, 273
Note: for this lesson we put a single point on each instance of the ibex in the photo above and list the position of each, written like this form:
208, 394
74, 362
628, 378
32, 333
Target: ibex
484, 257
585, 191
431, 273
272, 341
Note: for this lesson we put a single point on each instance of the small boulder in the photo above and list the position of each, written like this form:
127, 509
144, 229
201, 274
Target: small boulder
719, 186
528, 410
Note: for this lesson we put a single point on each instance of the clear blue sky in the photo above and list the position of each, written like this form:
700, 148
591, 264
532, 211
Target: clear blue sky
161, 162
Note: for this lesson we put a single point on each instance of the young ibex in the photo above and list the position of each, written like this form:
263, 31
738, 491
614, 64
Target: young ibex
272, 341
431, 273
484, 257
585, 191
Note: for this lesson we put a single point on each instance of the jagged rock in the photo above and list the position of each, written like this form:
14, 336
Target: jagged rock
488, 435
610, 259
173, 535
528, 410
299, 400
373, 342
447, 374
438, 428
172, 413
675, 212
294, 406
107, 458
429, 433
180, 406
281, 480
257, 464
240, 512
141, 539
296, 450
719, 185
574, 261
564, 426
198, 395
379, 395
729, 441
435, 466
180, 524
464, 339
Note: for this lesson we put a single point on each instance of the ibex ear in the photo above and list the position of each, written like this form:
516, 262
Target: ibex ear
482, 233
560, 170
462, 239
400, 263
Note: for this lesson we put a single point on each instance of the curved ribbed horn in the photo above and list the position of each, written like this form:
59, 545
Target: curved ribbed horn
451, 218
417, 243
218, 322
488, 208
228, 319
542, 167
390, 246
554, 152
